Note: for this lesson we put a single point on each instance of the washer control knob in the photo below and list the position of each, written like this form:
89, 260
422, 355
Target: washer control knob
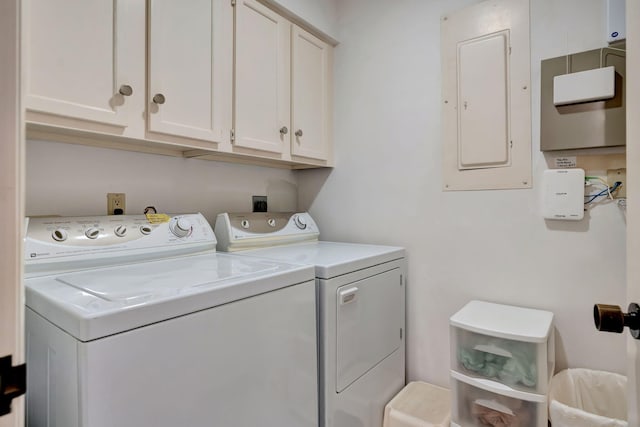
181, 227
59, 235
271, 222
92, 233
245, 223
120, 230
300, 222
145, 229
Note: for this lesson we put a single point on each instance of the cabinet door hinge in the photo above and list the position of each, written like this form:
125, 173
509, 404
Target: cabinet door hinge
13, 383
401, 280
400, 333
233, 135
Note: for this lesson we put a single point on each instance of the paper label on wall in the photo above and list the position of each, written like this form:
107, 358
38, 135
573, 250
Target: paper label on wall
566, 162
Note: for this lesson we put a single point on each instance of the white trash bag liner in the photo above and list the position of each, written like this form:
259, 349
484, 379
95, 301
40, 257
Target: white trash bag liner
587, 398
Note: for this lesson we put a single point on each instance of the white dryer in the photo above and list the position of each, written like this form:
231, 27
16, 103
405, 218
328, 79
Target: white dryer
134, 324
361, 309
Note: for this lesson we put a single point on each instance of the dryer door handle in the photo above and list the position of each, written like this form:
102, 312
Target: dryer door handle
348, 295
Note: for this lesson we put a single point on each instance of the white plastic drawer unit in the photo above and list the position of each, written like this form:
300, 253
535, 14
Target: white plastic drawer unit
481, 403
364, 333
512, 346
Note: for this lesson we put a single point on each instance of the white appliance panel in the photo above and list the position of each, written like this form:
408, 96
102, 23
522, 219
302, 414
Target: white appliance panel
52, 378
362, 402
369, 324
235, 366
58, 244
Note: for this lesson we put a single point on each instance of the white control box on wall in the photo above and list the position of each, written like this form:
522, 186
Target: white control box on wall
616, 27
563, 194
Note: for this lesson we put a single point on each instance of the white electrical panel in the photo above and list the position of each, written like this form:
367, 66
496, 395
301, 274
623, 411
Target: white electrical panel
563, 194
486, 100
483, 120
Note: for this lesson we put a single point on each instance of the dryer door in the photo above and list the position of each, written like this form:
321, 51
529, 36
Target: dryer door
369, 322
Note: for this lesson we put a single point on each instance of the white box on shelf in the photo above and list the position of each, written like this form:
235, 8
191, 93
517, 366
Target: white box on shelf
584, 86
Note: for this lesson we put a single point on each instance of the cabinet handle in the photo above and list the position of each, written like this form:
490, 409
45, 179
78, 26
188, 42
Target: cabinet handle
299, 133
158, 98
284, 130
125, 90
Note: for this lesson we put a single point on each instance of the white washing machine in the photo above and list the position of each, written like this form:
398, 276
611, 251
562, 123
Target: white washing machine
361, 309
134, 324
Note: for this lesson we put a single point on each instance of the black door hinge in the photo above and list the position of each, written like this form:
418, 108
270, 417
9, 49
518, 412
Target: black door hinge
13, 383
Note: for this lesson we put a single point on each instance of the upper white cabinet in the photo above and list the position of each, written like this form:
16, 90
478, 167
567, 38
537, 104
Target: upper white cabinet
282, 86
311, 61
218, 79
262, 78
189, 69
86, 66
80, 60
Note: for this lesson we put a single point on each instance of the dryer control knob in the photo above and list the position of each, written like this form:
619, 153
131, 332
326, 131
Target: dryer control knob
245, 223
59, 235
145, 229
271, 222
300, 222
181, 227
120, 230
92, 233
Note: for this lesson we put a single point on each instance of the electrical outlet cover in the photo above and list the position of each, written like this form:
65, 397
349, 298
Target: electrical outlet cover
115, 203
618, 175
259, 203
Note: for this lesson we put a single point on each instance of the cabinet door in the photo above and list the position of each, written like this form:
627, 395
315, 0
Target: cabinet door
310, 82
187, 62
262, 104
77, 59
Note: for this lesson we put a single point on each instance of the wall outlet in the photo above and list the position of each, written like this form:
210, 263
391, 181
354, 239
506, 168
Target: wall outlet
115, 203
615, 175
259, 203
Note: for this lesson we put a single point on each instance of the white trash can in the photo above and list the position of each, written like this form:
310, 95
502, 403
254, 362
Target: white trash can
588, 398
419, 404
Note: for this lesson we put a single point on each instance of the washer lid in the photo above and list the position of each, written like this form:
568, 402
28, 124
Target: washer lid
95, 303
331, 259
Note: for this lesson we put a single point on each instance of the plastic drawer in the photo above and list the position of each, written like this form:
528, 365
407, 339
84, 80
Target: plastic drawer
481, 403
497, 342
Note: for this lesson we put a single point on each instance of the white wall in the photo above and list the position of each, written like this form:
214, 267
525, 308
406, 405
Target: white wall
67, 179
490, 245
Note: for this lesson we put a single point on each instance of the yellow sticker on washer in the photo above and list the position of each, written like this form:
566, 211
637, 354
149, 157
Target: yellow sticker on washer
158, 218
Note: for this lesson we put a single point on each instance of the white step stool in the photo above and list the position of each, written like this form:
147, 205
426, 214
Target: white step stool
419, 404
